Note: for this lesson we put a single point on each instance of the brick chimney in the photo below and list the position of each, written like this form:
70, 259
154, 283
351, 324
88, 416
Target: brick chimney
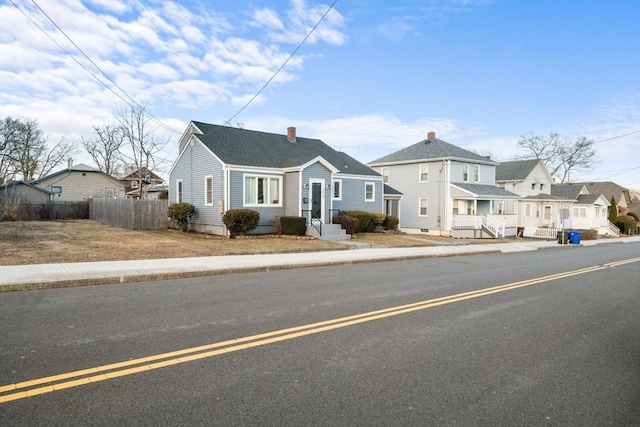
431, 136
291, 134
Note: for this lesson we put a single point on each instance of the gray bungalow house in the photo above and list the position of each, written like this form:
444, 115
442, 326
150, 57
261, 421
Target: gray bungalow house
448, 190
220, 168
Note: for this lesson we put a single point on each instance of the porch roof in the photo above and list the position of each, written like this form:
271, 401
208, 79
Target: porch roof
548, 198
485, 191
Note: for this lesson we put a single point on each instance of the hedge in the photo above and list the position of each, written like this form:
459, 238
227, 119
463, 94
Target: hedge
293, 225
240, 221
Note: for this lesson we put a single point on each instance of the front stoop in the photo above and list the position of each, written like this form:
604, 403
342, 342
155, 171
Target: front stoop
330, 232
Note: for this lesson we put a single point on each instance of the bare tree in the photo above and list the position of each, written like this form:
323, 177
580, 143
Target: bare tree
142, 145
104, 149
25, 151
560, 154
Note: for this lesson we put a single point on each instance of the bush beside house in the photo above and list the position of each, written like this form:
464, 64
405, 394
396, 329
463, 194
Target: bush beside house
241, 221
181, 213
293, 225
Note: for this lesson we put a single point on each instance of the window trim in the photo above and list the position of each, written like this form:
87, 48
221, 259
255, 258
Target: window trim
111, 190
333, 189
426, 165
207, 192
373, 191
179, 191
426, 207
385, 176
465, 172
56, 189
268, 190
476, 173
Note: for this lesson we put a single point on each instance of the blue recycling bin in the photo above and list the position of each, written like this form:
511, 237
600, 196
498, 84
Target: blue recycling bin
574, 237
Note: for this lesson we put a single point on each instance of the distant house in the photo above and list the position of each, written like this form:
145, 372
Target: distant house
80, 182
131, 177
588, 211
24, 192
448, 190
531, 180
221, 168
610, 189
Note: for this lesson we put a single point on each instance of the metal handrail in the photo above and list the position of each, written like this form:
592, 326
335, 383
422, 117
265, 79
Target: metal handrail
305, 214
340, 214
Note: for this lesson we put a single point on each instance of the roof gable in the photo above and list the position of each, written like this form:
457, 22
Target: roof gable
571, 190
431, 149
242, 147
517, 170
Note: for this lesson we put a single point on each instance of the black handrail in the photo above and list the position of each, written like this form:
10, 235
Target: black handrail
340, 214
305, 214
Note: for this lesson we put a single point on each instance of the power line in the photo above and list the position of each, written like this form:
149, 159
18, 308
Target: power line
131, 100
282, 66
616, 137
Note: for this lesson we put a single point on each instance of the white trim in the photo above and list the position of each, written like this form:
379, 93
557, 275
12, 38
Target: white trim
179, 190
322, 196
207, 177
333, 183
268, 189
420, 165
373, 192
420, 199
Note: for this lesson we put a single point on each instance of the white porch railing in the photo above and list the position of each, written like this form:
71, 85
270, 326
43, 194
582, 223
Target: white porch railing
476, 222
541, 233
610, 228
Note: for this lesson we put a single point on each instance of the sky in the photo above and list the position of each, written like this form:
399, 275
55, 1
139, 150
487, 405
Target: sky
373, 77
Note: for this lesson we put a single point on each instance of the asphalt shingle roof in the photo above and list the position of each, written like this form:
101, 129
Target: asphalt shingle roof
391, 191
569, 191
431, 150
485, 190
516, 170
238, 146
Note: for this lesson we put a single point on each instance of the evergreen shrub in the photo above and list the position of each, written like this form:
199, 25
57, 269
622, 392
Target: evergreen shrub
240, 221
181, 213
293, 225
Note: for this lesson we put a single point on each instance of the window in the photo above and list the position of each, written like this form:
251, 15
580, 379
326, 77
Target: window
527, 210
110, 193
134, 184
499, 208
179, 191
208, 190
337, 189
261, 190
579, 212
424, 172
369, 195
465, 173
385, 174
56, 189
533, 185
423, 203
541, 185
476, 173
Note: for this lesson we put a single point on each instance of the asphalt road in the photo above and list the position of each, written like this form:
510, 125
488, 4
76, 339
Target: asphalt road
555, 340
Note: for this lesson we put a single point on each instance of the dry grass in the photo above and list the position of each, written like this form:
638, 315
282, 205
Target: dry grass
48, 242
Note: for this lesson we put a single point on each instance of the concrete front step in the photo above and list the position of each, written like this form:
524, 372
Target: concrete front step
331, 232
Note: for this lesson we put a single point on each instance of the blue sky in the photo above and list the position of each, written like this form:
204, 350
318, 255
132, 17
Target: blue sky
374, 77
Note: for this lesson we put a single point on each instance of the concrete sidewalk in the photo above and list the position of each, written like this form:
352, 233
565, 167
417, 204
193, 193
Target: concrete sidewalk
40, 276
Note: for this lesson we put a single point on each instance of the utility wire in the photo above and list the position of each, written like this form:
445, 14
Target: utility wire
130, 99
616, 137
283, 65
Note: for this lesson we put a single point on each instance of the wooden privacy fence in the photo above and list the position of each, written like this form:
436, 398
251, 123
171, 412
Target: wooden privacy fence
133, 214
53, 210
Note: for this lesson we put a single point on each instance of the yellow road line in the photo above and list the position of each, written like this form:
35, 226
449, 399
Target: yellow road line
114, 370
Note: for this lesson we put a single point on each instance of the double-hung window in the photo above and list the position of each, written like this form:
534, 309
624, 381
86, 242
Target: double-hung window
179, 191
476, 173
465, 173
337, 189
208, 190
369, 193
262, 190
424, 172
385, 174
423, 204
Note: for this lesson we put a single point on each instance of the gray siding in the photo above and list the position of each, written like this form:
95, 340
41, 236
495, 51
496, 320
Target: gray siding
236, 199
353, 195
406, 178
196, 163
291, 194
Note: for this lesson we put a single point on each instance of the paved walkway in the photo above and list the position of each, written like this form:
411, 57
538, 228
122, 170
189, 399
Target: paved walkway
41, 276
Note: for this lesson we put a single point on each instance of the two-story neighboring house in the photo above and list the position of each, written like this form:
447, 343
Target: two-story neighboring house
133, 177
80, 182
531, 180
220, 168
448, 190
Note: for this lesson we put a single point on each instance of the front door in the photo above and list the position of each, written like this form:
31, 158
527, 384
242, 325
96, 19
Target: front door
316, 200
546, 216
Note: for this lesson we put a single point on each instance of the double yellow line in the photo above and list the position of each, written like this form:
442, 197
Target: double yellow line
63, 381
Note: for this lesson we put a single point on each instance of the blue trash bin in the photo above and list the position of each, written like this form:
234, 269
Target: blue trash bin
574, 237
